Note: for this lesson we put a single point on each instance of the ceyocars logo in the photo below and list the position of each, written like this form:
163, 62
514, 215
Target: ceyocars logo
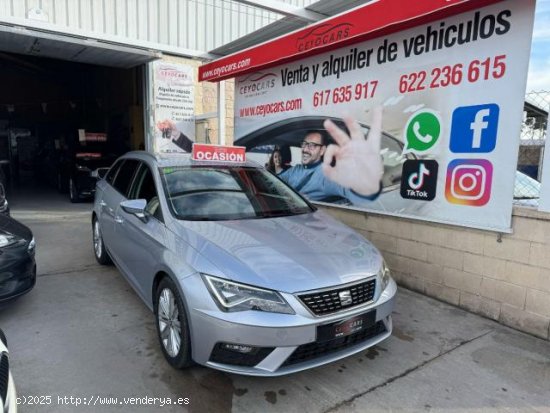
322, 35
174, 76
261, 82
171, 73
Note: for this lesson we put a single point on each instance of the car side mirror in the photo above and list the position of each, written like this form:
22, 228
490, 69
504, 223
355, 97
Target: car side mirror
135, 207
100, 173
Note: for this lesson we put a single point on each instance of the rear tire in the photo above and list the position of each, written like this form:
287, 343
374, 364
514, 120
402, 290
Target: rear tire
100, 252
61, 184
172, 325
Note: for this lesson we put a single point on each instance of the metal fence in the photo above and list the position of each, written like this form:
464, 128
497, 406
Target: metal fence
531, 151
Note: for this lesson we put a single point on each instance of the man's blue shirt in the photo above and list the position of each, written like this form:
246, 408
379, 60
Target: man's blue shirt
311, 182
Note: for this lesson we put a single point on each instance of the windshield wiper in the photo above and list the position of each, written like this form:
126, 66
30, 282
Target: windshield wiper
198, 191
197, 218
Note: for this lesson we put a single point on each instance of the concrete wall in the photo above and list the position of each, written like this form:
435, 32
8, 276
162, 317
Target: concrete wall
503, 277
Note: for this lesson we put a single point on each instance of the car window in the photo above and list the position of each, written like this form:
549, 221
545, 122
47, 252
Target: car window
291, 134
110, 177
229, 193
393, 159
144, 188
526, 187
124, 176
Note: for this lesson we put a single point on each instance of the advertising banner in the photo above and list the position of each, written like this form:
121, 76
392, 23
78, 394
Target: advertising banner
441, 103
174, 102
545, 188
364, 22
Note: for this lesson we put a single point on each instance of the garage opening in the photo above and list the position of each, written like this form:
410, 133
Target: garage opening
61, 120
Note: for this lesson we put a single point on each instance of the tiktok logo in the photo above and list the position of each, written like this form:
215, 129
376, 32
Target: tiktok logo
416, 179
419, 179
474, 128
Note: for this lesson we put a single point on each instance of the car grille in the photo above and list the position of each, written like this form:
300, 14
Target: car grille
311, 351
4, 376
328, 301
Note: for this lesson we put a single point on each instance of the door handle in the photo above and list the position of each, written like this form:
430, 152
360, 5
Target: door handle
102, 204
119, 220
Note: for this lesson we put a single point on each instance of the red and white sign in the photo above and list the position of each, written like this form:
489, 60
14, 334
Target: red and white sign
372, 20
96, 137
216, 153
88, 155
84, 136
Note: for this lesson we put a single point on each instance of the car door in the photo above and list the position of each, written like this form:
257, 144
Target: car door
114, 194
106, 214
141, 241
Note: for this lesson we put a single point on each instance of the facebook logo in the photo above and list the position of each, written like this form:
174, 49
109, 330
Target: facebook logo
474, 128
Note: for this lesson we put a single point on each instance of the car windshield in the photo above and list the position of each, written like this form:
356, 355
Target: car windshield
203, 193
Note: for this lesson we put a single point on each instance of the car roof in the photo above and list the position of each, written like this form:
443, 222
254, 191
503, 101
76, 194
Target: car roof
182, 159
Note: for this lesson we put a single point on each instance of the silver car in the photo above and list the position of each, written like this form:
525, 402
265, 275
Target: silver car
8, 395
242, 273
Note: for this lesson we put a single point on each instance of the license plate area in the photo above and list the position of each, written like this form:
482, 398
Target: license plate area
346, 327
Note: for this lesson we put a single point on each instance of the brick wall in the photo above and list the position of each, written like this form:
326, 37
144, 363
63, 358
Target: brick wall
505, 277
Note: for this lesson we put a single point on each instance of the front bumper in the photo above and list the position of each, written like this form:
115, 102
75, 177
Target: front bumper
85, 184
17, 271
4, 207
285, 343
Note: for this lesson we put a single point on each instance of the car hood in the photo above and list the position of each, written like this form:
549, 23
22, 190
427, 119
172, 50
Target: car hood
290, 254
11, 226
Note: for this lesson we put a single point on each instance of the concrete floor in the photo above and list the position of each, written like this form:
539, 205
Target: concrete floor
83, 332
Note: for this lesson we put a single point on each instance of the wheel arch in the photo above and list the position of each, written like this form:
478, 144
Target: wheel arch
159, 276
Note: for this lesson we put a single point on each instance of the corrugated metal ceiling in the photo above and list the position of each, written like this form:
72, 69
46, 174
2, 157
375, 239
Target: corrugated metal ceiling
30, 42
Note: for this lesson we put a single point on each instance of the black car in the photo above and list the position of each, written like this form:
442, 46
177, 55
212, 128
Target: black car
76, 174
17, 263
4, 206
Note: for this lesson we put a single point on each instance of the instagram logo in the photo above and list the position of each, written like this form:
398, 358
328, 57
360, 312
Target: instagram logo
469, 182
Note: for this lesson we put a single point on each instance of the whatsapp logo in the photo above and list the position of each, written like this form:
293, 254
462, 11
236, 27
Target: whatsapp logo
422, 131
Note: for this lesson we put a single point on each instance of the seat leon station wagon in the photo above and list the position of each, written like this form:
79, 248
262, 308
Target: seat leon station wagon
242, 273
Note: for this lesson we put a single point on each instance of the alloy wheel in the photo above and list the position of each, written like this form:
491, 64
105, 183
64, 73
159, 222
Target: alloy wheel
98, 242
169, 323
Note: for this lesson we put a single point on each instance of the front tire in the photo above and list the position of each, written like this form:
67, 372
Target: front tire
172, 325
73, 192
100, 252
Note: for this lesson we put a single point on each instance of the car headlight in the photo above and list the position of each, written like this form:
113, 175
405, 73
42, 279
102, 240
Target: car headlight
83, 168
7, 240
384, 275
232, 296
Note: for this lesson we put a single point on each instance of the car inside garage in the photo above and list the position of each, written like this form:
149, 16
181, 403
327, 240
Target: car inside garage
67, 108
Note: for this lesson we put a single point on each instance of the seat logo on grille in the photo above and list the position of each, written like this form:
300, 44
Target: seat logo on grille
345, 297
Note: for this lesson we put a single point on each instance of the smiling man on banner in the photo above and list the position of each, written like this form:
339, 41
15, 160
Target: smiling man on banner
352, 168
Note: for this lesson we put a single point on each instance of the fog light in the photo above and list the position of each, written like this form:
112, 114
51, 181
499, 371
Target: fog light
239, 348
31, 246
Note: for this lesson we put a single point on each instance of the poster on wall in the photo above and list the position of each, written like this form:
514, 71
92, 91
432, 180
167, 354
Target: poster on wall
174, 102
441, 103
